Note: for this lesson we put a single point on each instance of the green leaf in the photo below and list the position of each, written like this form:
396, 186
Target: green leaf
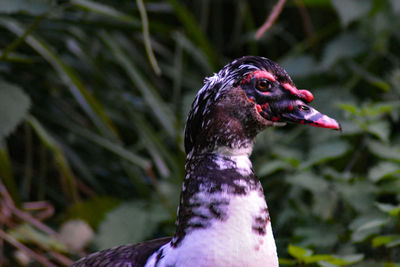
193, 51
351, 10
359, 195
366, 226
25, 6
311, 236
372, 224
112, 146
193, 30
86, 100
146, 37
383, 240
379, 108
383, 170
320, 257
7, 175
325, 152
300, 65
106, 10
154, 145
309, 181
159, 109
93, 211
27, 234
395, 5
326, 264
316, 3
131, 222
14, 105
370, 77
61, 161
345, 46
283, 262
392, 210
395, 243
352, 109
272, 166
339, 260
386, 151
352, 258
380, 129
298, 252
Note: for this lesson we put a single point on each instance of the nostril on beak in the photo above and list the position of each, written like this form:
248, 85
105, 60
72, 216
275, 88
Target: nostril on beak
303, 108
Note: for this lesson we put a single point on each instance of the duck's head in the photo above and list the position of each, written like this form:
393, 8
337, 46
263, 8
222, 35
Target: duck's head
242, 99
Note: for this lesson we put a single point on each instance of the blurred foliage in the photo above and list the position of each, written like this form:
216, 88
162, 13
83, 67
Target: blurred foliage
94, 96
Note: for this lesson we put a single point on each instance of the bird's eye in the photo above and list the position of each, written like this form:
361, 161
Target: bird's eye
263, 85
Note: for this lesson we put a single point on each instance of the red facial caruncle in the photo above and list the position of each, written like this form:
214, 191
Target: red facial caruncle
277, 99
304, 95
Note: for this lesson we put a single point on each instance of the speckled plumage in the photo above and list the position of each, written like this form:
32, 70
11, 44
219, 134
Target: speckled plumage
223, 214
123, 256
218, 86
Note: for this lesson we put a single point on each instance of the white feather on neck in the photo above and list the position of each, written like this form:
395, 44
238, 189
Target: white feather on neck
239, 156
225, 243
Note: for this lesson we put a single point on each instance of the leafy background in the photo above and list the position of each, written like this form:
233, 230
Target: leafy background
93, 100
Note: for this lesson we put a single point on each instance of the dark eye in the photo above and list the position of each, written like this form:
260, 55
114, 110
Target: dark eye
263, 85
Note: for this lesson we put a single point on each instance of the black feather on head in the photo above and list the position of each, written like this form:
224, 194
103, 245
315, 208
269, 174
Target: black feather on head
271, 99
217, 85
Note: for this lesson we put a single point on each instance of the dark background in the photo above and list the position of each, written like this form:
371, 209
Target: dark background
91, 138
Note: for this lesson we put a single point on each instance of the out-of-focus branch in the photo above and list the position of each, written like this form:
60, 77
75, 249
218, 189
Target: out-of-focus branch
146, 37
43, 208
21, 214
305, 16
8, 211
276, 11
28, 251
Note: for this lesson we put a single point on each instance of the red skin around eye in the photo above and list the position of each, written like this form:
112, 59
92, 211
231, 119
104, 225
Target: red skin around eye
305, 95
259, 74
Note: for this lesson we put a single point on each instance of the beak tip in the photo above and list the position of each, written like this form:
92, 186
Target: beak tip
327, 122
334, 125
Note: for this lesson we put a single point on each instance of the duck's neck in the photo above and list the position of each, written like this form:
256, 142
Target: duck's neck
212, 180
222, 215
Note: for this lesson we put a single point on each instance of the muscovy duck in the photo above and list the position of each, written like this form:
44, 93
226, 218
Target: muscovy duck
223, 218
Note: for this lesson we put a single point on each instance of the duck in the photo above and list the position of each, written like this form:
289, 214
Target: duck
223, 218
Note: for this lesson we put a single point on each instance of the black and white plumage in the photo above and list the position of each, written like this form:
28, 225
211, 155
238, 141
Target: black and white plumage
223, 218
